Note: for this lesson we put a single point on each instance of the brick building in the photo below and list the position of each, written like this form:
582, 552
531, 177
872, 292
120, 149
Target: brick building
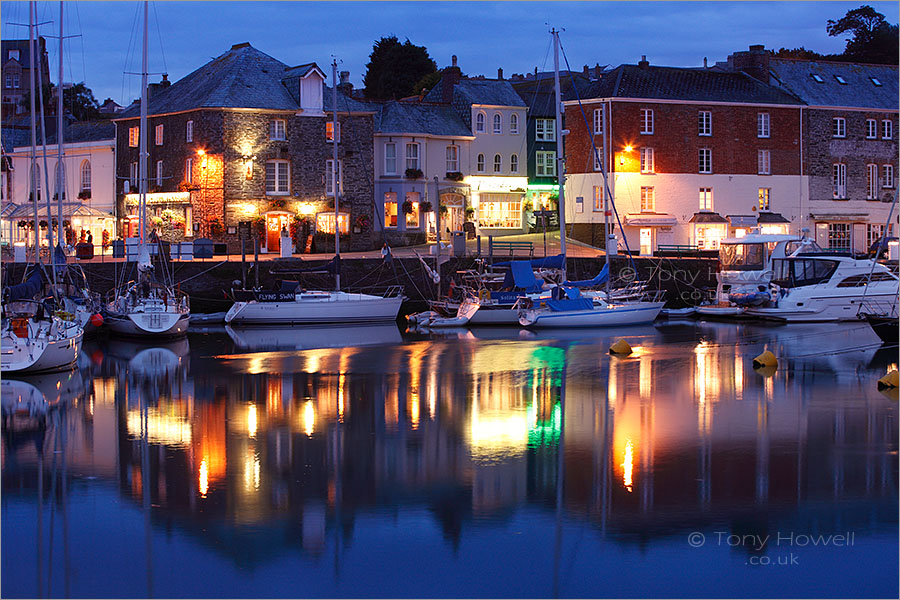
243, 147
692, 156
15, 58
849, 141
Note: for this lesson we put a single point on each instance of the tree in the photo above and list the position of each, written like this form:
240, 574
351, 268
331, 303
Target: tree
799, 53
80, 101
872, 40
395, 68
426, 83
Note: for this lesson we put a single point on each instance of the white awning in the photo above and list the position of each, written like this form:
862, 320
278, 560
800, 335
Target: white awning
651, 220
851, 217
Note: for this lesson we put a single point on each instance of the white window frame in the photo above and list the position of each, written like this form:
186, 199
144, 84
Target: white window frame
595, 153
497, 124
514, 123
598, 119
648, 160
329, 137
842, 232
514, 163
189, 131
887, 176
764, 162
874, 231
647, 121
452, 159
277, 130
706, 199
598, 194
887, 129
872, 181
413, 159
545, 163
279, 177
391, 198
480, 122
189, 170
85, 176
704, 123
871, 129
545, 130
329, 185
159, 172
158, 134
134, 134
704, 157
763, 125
839, 181
479, 163
498, 163
648, 198
839, 127
390, 156
134, 175
764, 196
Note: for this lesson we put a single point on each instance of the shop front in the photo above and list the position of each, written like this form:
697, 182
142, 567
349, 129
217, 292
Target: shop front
81, 223
168, 213
499, 204
648, 231
707, 230
773, 223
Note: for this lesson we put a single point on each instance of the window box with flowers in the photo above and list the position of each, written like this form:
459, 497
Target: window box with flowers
278, 203
185, 186
361, 224
414, 173
84, 195
454, 176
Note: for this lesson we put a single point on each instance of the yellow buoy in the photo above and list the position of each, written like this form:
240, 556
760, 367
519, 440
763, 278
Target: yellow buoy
620, 347
891, 380
766, 359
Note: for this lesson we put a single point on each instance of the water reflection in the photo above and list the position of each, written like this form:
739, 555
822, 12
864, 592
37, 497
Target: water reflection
252, 450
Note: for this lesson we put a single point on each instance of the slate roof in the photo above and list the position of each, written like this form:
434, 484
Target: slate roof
679, 83
87, 131
495, 92
15, 138
409, 117
538, 94
242, 77
795, 76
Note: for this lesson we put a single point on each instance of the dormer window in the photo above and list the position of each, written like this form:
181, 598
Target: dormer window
817, 79
13, 55
840, 80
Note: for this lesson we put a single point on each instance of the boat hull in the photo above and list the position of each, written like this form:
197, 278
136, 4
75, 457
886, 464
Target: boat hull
597, 317
148, 324
36, 355
346, 308
885, 327
820, 309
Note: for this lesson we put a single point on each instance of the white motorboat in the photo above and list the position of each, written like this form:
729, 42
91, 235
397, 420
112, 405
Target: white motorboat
32, 341
825, 286
310, 307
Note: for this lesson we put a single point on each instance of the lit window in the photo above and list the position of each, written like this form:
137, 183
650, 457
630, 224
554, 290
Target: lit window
646, 121
189, 131
329, 132
839, 235
277, 177
390, 209
764, 198
598, 198
390, 158
704, 118
706, 198
545, 130
514, 163
479, 122
411, 210
498, 123
648, 160
452, 159
839, 127
764, 162
705, 160
133, 136
871, 182
329, 183
498, 163
325, 222
598, 120
514, 123
887, 129
479, 166
159, 135
887, 176
545, 164
839, 180
277, 130
762, 125
648, 199
500, 211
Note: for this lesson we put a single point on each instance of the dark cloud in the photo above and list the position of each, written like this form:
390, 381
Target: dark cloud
484, 35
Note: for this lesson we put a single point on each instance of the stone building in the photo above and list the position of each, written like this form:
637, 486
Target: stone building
242, 147
16, 61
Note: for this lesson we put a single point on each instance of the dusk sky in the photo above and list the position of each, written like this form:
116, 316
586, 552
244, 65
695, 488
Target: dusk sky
484, 35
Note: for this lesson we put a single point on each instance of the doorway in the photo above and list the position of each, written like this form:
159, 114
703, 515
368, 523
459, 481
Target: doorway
275, 222
455, 217
646, 241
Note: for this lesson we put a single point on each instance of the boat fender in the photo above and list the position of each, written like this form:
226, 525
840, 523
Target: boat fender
891, 380
96, 319
766, 359
621, 347
484, 294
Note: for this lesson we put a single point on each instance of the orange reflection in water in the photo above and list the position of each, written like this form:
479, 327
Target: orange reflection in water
628, 466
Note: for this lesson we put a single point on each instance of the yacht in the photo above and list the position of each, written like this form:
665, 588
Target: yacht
745, 270
569, 308
305, 307
825, 286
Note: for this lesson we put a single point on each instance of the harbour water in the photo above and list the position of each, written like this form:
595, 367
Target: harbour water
370, 462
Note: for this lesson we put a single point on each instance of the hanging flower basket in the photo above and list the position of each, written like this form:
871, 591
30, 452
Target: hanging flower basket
443, 209
215, 226
407, 207
278, 203
413, 173
425, 206
362, 222
259, 225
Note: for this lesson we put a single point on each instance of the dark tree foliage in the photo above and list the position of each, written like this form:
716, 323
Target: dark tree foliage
80, 101
872, 39
799, 53
426, 83
395, 68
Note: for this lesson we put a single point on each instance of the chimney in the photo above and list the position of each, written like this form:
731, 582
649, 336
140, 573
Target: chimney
345, 87
500, 73
450, 78
754, 62
643, 63
155, 88
705, 66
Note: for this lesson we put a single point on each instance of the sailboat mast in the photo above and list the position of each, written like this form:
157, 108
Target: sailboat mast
560, 161
60, 169
35, 178
334, 175
142, 131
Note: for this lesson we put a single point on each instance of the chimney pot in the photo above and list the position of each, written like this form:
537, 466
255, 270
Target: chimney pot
500, 73
704, 63
345, 76
453, 60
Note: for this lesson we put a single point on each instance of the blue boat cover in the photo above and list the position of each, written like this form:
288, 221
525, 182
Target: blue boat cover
570, 304
29, 289
599, 279
521, 276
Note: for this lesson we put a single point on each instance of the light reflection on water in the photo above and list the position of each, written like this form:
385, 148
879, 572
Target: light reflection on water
251, 452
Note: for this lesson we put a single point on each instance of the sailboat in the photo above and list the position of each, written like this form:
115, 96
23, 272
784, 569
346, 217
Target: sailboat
568, 306
147, 307
292, 305
34, 335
